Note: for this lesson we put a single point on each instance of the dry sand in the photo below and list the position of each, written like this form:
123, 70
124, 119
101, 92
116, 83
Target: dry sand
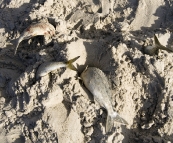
58, 108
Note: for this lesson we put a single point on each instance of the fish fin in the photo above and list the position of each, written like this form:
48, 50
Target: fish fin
16, 43
70, 65
85, 68
119, 119
159, 45
110, 121
156, 41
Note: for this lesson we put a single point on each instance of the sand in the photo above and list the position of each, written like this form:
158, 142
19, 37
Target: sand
109, 35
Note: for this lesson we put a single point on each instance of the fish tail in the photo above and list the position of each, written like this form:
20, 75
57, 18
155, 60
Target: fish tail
159, 45
110, 121
70, 63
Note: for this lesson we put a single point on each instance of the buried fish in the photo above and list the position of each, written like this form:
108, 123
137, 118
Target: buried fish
97, 83
48, 67
152, 50
41, 28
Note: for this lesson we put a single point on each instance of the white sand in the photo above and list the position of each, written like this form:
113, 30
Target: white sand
58, 108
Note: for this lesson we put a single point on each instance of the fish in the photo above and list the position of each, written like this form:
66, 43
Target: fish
97, 83
48, 67
152, 50
41, 28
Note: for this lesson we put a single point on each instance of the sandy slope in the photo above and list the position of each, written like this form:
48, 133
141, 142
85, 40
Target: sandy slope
58, 108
